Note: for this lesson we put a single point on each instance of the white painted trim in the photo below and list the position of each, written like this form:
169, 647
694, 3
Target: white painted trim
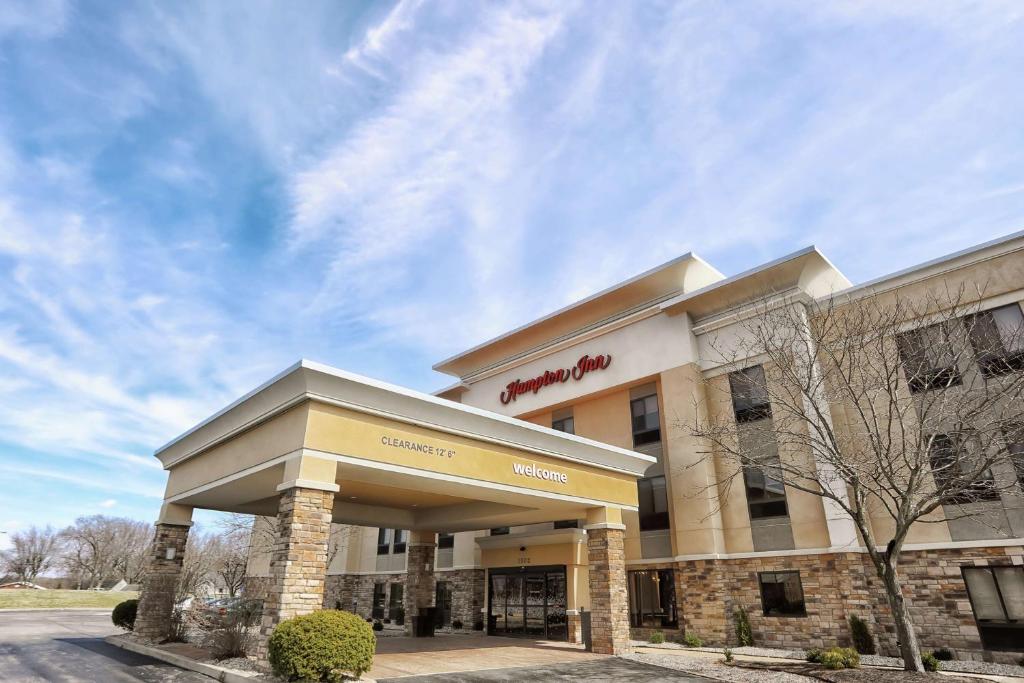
604, 525
308, 484
373, 464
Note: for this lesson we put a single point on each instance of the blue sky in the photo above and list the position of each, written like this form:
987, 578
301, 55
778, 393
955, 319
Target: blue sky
195, 195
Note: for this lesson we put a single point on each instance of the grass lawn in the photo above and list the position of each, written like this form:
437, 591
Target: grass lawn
17, 597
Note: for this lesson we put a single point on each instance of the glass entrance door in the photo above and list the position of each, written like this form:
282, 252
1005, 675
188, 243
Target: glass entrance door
443, 603
527, 602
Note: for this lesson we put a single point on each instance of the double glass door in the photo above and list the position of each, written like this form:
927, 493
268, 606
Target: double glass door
527, 603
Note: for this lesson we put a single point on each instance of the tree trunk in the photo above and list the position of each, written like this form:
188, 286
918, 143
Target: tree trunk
909, 648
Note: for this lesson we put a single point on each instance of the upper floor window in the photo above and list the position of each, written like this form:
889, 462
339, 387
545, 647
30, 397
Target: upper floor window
952, 468
564, 424
1014, 434
391, 541
398, 547
997, 336
929, 361
652, 493
749, 394
499, 531
646, 420
766, 492
445, 540
997, 598
782, 594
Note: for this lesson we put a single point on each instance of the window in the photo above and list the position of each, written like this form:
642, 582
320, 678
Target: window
646, 420
782, 594
928, 358
749, 394
653, 496
396, 606
445, 540
383, 543
1014, 434
948, 455
567, 524
652, 599
499, 531
997, 336
380, 591
997, 598
398, 547
766, 492
564, 424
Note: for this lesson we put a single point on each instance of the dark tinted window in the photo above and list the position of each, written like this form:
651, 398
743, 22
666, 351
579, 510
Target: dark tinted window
398, 547
928, 358
997, 336
564, 425
782, 595
383, 544
749, 394
445, 540
646, 420
997, 598
951, 467
652, 599
653, 498
499, 531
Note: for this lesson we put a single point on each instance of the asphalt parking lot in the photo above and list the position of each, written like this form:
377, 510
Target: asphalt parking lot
66, 646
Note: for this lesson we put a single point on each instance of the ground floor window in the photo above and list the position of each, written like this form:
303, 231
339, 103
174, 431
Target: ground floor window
396, 606
380, 591
442, 603
782, 594
527, 602
652, 599
997, 598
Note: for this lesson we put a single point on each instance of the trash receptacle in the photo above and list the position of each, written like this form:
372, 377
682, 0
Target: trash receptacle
588, 641
423, 623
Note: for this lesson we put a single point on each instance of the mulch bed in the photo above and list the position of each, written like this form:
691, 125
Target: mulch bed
862, 675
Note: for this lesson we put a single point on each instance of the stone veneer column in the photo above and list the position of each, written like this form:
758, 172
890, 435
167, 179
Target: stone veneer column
159, 587
419, 578
298, 563
609, 604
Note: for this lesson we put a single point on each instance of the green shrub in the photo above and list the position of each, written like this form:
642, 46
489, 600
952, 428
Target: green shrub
814, 655
863, 641
728, 654
457, 625
657, 638
123, 615
321, 646
377, 626
840, 658
744, 634
692, 640
944, 654
930, 662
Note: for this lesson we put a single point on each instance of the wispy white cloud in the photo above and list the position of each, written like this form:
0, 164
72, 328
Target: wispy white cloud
108, 503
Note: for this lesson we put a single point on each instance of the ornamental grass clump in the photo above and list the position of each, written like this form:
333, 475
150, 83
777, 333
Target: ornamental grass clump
744, 634
322, 646
657, 638
840, 658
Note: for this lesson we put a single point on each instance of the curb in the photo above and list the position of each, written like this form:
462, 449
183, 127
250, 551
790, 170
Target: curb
56, 609
212, 670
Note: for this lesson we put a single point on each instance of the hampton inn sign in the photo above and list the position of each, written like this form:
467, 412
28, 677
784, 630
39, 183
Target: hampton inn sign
584, 365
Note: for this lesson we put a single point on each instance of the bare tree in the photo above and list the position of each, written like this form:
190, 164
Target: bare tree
133, 539
32, 552
91, 550
895, 412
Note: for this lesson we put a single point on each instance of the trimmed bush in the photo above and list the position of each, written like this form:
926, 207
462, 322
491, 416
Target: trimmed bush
744, 634
377, 626
322, 646
457, 625
863, 641
840, 658
930, 663
478, 625
692, 640
814, 655
657, 638
123, 615
944, 654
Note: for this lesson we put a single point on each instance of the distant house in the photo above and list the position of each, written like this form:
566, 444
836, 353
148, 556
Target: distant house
20, 585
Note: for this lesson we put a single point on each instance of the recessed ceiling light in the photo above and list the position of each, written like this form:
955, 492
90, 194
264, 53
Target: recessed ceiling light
351, 497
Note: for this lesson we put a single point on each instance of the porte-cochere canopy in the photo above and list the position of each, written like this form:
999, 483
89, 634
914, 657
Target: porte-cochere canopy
394, 458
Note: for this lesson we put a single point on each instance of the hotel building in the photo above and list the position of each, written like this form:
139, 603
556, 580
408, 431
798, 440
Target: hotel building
630, 369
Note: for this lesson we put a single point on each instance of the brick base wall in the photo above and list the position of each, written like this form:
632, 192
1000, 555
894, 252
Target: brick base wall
467, 595
708, 592
159, 587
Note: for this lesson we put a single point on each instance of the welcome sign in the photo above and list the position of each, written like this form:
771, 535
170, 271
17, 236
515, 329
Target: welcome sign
584, 365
